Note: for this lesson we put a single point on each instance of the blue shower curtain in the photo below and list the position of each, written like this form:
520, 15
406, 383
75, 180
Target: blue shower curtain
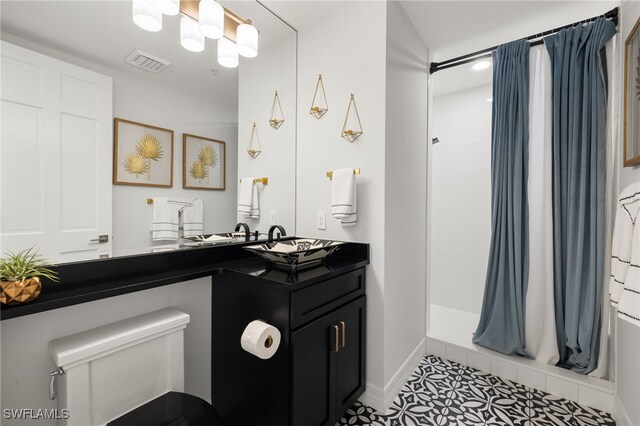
501, 325
579, 170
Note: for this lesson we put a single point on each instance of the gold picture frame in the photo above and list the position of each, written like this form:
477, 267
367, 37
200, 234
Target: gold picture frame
204, 163
632, 97
142, 154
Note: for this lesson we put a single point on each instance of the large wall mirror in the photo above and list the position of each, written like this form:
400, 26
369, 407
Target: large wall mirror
185, 122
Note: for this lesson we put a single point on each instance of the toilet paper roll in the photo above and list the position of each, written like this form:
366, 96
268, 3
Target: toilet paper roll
260, 339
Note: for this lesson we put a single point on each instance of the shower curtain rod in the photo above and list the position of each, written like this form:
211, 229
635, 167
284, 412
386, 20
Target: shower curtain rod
534, 40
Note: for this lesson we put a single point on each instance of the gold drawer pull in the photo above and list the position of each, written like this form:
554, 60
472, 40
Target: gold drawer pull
344, 334
336, 343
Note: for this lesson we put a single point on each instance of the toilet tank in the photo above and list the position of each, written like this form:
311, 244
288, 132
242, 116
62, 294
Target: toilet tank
113, 369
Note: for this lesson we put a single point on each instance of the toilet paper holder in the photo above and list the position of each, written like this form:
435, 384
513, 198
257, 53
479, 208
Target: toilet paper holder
269, 341
260, 339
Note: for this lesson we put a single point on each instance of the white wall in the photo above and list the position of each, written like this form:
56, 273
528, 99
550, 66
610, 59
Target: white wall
461, 198
627, 340
405, 190
24, 351
273, 69
347, 48
143, 101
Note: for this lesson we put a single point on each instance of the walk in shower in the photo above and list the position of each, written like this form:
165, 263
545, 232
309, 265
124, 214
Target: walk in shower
460, 200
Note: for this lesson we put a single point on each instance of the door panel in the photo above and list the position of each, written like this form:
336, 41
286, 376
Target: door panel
350, 359
56, 156
312, 369
78, 177
20, 174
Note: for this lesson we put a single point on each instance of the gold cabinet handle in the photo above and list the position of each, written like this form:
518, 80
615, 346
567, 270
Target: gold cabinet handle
344, 334
336, 344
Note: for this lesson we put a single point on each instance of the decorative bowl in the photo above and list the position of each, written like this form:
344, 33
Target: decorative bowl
295, 254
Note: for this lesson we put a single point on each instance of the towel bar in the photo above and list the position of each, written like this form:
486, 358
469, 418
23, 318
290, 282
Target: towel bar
263, 180
355, 172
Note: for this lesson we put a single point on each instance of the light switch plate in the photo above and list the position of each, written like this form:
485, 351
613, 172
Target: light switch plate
272, 217
322, 220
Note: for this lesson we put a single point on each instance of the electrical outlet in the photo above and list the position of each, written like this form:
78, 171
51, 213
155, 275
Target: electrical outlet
322, 220
272, 217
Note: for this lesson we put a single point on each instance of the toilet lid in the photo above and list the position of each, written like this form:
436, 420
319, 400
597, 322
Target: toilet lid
171, 409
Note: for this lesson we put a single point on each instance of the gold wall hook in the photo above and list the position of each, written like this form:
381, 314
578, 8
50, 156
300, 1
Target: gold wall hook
321, 107
352, 132
254, 149
149, 200
330, 173
276, 118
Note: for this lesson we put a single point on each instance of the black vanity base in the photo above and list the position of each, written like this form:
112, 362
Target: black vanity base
318, 371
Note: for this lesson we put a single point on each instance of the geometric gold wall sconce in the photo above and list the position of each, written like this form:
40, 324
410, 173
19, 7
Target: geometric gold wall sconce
254, 148
319, 106
276, 118
352, 128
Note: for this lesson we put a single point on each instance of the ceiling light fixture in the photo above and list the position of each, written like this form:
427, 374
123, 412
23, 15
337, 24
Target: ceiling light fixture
190, 36
227, 53
146, 17
211, 19
247, 39
200, 19
482, 65
166, 7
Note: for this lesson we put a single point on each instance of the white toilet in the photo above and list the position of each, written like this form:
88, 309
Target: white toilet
128, 372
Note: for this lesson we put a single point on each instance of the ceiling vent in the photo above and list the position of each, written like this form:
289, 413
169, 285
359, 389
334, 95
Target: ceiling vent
146, 61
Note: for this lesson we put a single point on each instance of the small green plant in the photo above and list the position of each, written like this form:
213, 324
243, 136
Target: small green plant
25, 264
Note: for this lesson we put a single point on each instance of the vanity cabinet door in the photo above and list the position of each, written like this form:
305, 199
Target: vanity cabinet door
312, 367
350, 358
328, 365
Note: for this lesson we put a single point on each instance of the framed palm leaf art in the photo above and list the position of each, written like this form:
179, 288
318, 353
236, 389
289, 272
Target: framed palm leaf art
142, 154
203, 163
632, 98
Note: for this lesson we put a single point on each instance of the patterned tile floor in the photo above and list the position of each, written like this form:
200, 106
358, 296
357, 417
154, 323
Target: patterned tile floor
444, 393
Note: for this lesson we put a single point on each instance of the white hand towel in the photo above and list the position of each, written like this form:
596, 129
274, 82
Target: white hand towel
624, 287
193, 218
621, 247
255, 203
344, 196
629, 306
165, 220
245, 196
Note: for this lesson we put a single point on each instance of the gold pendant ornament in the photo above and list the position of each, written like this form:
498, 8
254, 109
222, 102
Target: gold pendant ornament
352, 128
321, 107
276, 118
254, 149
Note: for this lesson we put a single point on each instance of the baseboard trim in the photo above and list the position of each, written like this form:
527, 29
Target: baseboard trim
620, 414
373, 397
380, 399
393, 388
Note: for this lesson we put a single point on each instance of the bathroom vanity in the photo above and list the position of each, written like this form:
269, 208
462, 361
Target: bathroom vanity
318, 370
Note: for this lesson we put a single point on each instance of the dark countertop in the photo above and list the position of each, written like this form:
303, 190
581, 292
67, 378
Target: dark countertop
99, 279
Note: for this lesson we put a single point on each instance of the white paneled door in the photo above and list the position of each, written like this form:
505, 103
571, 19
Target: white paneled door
55, 156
